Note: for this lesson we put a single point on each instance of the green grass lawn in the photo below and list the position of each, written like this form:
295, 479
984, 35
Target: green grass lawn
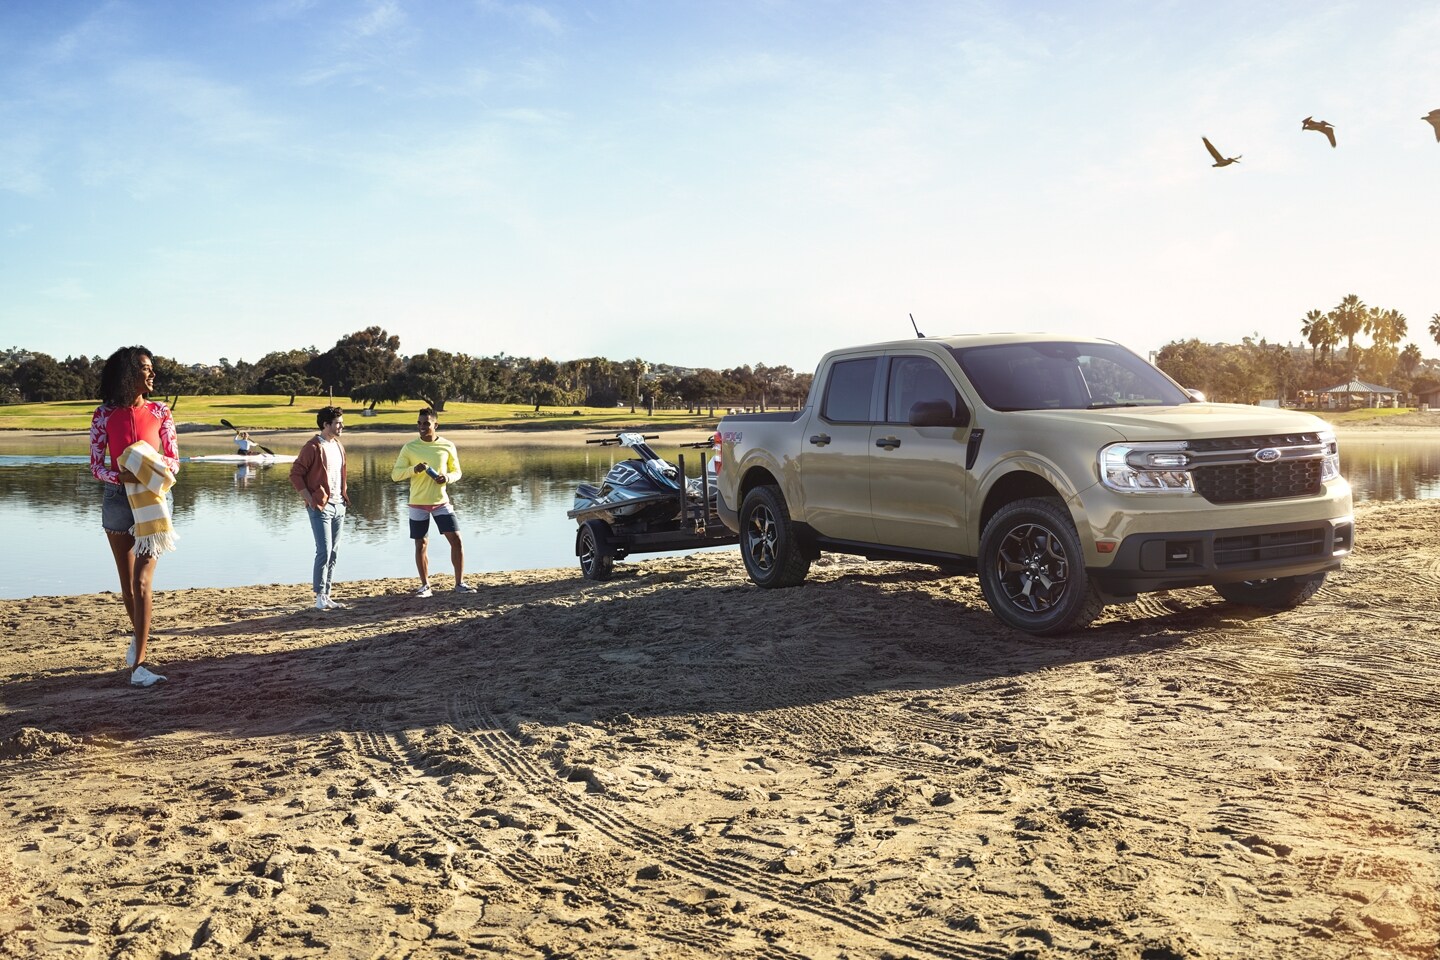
1343, 418
276, 413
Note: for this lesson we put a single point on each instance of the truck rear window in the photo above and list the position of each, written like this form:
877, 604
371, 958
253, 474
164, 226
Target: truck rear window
1064, 376
849, 390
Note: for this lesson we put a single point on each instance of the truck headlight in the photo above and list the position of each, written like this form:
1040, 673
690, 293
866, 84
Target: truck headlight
1330, 466
1146, 468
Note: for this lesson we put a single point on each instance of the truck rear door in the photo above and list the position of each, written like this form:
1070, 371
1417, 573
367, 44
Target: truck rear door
834, 457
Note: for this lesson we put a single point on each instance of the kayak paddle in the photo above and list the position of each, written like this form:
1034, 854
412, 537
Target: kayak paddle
263, 448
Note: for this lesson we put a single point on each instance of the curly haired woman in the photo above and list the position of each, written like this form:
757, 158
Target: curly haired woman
125, 418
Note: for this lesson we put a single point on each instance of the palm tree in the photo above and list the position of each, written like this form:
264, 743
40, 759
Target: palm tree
1350, 318
1316, 330
1435, 327
1410, 358
1387, 328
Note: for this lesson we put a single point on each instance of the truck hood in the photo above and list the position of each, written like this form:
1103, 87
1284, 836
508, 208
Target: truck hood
1184, 422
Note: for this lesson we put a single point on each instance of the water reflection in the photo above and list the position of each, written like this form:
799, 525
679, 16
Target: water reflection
243, 524
1392, 470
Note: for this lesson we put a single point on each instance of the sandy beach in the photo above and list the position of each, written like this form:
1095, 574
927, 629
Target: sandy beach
676, 764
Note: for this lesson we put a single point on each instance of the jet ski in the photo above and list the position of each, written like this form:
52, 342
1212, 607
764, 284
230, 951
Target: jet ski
646, 504
643, 489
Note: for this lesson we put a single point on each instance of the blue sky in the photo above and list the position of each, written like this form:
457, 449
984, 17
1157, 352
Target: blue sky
706, 184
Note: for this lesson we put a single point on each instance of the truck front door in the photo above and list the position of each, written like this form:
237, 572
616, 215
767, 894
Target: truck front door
919, 486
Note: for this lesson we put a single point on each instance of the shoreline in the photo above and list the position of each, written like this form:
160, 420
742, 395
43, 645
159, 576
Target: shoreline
569, 435
460, 435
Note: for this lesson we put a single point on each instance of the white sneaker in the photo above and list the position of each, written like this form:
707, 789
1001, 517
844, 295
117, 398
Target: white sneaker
424, 591
142, 677
130, 654
463, 587
332, 604
322, 602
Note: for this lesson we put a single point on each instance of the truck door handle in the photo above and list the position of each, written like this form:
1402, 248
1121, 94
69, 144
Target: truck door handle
889, 443
820, 439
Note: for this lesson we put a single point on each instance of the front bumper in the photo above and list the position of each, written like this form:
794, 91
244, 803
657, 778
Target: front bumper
1192, 558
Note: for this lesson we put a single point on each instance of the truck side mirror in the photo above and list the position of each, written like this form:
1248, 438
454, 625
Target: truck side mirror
932, 413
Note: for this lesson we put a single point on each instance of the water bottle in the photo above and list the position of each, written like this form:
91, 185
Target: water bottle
434, 475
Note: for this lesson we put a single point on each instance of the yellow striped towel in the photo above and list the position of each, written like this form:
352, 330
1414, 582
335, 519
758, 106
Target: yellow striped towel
152, 531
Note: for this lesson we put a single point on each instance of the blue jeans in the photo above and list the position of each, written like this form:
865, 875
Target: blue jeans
325, 524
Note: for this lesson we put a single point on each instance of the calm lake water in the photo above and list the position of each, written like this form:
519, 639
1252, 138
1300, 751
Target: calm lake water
244, 525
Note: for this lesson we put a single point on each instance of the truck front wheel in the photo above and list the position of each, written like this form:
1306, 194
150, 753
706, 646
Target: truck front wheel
1282, 593
1032, 569
773, 554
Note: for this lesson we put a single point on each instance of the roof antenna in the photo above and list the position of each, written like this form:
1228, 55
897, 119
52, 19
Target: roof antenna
917, 328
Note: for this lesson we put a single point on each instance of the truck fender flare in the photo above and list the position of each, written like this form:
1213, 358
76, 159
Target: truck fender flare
1000, 479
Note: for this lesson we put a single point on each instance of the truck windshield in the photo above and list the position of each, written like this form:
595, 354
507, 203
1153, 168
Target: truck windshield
1064, 376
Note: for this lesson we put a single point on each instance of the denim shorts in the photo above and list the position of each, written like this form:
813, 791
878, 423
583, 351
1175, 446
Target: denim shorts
115, 514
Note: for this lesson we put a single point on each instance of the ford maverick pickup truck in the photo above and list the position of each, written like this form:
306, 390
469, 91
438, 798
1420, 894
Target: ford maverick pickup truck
1068, 473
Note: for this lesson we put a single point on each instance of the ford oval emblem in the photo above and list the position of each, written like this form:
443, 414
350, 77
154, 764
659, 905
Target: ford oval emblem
1267, 455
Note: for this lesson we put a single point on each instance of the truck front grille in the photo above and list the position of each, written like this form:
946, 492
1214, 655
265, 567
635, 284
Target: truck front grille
1245, 482
1254, 548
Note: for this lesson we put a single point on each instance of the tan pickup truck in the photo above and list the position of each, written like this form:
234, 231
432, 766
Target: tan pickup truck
1067, 472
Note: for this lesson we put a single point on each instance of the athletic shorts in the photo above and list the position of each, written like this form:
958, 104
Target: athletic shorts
444, 516
115, 514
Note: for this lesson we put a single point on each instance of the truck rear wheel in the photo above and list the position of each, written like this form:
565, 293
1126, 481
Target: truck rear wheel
1283, 593
773, 554
597, 556
1032, 569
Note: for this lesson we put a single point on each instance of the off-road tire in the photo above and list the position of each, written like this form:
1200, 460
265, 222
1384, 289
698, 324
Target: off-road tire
597, 555
773, 553
1282, 593
1032, 569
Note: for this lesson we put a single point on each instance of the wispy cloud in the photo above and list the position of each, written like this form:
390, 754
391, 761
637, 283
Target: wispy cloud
212, 111
530, 15
20, 165
108, 27
363, 44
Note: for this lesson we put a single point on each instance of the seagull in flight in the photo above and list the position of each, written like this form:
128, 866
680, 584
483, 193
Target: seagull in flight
1310, 123
1433, 118
1226, 161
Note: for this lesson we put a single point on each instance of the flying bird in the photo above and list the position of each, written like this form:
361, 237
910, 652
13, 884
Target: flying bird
1224, 161
1310, 123
1433, 118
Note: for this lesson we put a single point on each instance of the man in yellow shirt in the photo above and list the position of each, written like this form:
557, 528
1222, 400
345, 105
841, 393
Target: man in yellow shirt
431, 464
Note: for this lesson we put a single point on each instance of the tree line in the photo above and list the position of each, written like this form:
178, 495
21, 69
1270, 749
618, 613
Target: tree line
1255, 370
368, 367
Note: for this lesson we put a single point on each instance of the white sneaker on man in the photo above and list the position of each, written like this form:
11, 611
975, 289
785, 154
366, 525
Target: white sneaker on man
332, 604
143, 677
424, 591
463, 587
322, 602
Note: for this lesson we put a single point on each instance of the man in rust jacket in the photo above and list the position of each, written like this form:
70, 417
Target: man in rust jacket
319, 475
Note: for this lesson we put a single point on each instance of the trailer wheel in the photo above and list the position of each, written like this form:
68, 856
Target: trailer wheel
597, 556
774, 556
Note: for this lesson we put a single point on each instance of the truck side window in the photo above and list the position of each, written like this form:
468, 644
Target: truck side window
917, 380
849, 389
